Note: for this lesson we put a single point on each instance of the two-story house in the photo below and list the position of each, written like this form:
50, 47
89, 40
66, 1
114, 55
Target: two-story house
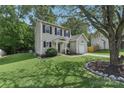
50, 35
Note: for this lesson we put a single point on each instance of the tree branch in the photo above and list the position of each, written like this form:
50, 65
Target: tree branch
96, 24
118, 15
120, 27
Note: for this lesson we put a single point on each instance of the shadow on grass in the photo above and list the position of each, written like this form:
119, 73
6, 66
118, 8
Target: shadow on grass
48, 75
16, 58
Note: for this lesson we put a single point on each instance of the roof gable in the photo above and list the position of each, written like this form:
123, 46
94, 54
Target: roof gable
76, 37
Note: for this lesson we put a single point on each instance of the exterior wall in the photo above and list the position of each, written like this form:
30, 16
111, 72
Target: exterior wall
50, 37
38, 38
73, 47
99, 40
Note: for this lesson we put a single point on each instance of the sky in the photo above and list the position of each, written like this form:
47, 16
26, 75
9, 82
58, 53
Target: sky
60, 20
57, 11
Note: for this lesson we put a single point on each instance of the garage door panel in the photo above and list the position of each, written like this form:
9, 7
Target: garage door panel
82, 48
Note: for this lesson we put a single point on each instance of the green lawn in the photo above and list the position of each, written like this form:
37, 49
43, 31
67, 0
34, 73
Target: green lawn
106, 52
25, 70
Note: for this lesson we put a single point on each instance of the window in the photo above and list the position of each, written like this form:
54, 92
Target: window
67, 33
47, 44
58, 31
64, 32
47, 29
61, 32
50, 45
44, 44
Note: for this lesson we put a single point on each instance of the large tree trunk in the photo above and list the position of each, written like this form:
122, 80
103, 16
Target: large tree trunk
114, 52
114, 57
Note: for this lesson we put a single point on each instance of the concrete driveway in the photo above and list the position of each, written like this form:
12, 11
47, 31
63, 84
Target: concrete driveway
96, 55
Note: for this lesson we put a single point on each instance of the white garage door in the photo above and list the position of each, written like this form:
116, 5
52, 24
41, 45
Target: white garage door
82, 48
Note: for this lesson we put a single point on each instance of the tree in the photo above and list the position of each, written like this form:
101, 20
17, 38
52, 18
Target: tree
108, 20
44, 13
17, 25
77, 26
13, 29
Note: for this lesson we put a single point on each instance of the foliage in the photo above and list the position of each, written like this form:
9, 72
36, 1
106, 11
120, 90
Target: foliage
51, 52
108, 20
76, 25
16, 35
44, 13
17, 25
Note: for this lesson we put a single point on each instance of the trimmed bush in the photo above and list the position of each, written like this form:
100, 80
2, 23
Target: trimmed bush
51, 52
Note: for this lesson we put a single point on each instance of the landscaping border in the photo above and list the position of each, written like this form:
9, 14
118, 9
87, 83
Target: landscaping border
106, 76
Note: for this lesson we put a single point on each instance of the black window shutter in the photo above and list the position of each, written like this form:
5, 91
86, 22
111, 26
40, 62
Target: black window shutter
44, 44
61, 32
50, 45
50, 30
55, 31
43, 28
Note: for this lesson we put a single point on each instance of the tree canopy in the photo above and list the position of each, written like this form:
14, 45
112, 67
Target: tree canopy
17, 25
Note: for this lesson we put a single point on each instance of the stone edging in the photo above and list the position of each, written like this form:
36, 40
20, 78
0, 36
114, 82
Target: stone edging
112, 77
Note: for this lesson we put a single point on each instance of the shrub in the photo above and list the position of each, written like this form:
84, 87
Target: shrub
51, 52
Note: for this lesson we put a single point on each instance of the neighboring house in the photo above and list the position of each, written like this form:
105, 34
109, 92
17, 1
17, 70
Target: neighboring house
98, 39
50, 35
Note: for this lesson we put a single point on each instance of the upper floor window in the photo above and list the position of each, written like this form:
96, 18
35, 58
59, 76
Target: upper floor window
58, 31
67, 33
47, 29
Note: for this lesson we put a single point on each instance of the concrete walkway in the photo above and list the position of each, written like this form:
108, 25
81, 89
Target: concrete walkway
96, 55
87, 54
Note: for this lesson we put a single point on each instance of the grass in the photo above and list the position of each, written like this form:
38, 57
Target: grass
106, 52
25, 70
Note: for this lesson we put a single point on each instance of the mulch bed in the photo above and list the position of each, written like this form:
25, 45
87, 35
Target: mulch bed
104, 67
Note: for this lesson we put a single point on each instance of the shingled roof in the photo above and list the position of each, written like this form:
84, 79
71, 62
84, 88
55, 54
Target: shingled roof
75, 37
